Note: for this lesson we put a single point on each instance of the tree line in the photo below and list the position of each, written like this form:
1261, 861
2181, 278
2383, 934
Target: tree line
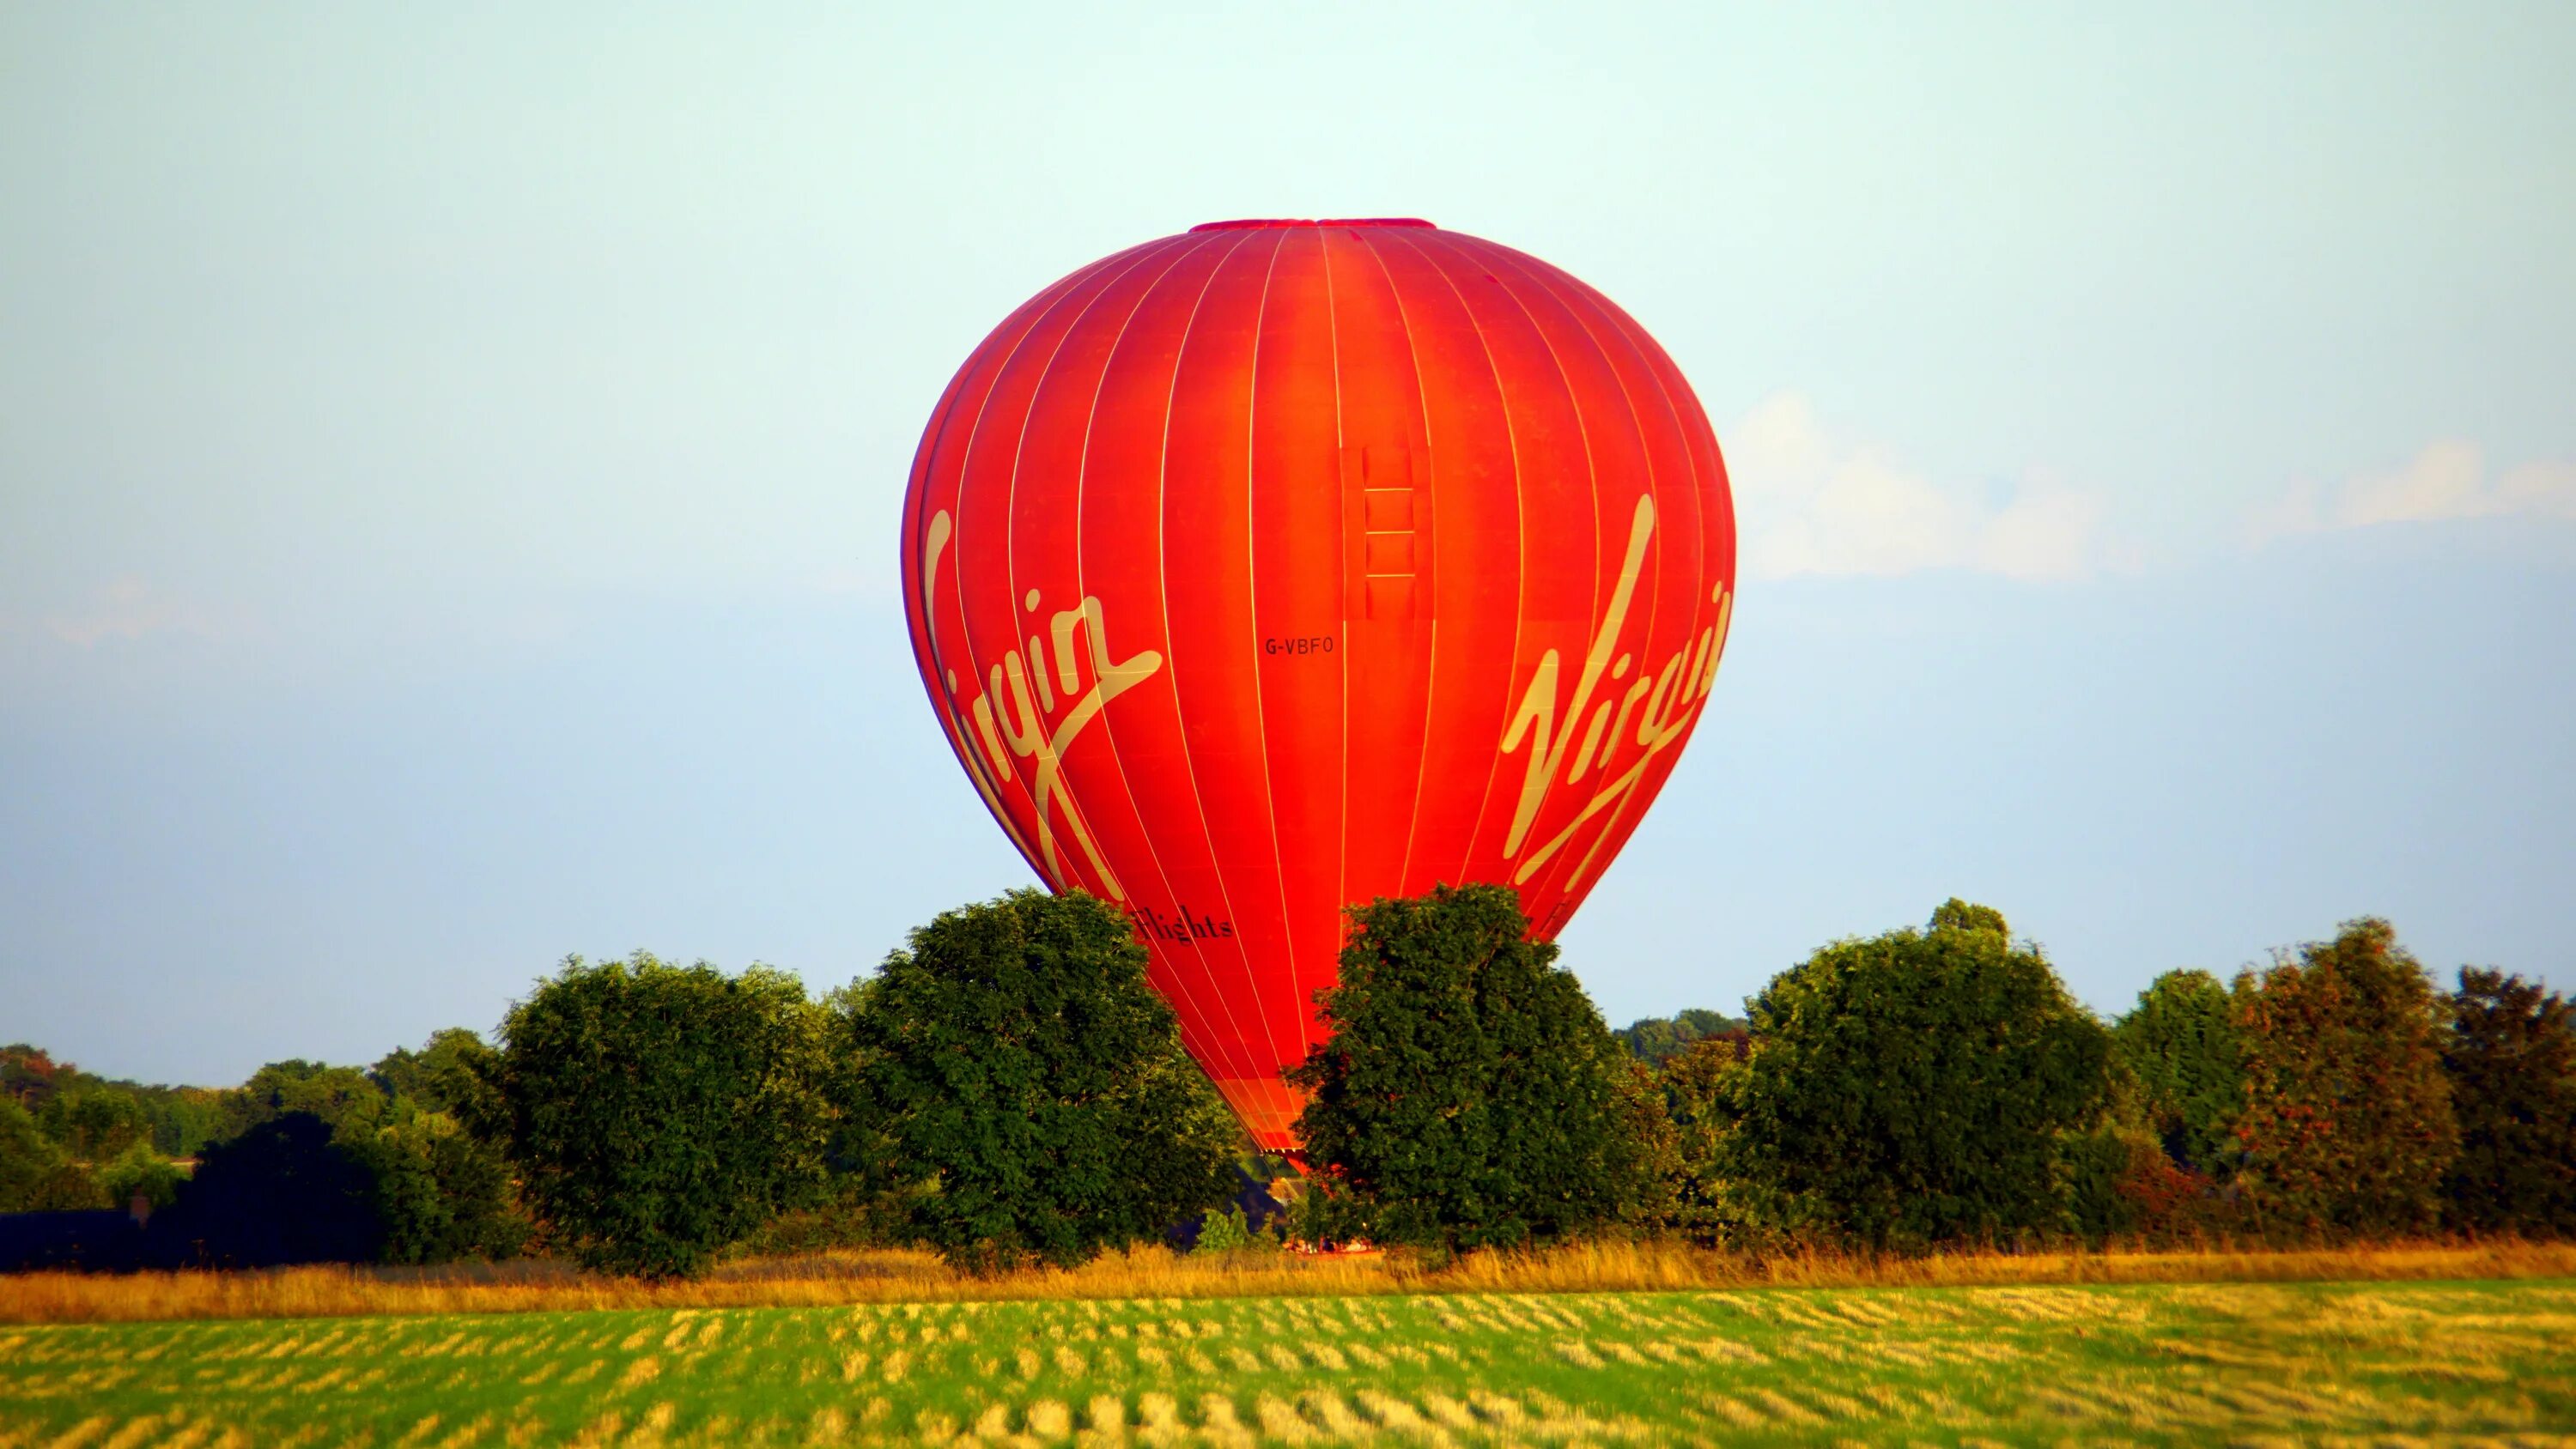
71, 1139
1007, 1089
302, 1162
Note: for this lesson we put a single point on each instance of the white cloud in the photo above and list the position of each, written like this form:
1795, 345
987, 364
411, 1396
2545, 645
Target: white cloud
1808, 502
2448, 480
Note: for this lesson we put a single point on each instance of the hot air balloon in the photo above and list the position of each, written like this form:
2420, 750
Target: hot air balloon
1280, 565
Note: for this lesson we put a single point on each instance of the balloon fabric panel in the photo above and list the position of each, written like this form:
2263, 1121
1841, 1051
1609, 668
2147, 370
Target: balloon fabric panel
1273, 567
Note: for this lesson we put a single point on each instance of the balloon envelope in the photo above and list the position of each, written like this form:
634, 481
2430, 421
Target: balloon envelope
1277, 566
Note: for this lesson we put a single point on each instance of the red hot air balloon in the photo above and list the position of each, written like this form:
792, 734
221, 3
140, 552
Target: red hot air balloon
1278, 566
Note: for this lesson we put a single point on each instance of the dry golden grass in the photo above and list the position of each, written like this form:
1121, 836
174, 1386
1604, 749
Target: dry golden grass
895, 1276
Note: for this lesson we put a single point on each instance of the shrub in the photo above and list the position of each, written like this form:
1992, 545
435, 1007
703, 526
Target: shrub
2120, 1182
1224, 1230
1470, 1095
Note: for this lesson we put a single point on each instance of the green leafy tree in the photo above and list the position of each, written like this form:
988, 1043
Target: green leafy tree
95, 1123
36, 1175
2348, 1126
2511, 1058
440, 1076
443, 1186
1225, 1230
1470, 1095
659, 1113
1917, 1088
871, 1193
2179, 1048
337, 1095
1655, 1040
140, 1172
1706, 1204
439, 1194
1014, 1054
1955, 914
182, 1118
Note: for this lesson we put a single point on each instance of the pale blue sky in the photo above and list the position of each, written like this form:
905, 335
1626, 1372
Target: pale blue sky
449, 464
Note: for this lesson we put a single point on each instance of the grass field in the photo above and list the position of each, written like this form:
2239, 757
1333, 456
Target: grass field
2145, 1364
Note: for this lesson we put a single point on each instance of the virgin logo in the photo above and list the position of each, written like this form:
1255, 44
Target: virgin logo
1044, 707
1663, 704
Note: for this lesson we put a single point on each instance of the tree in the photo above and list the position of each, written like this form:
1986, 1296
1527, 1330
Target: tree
337, 1095
439, 1075
440, 1194
2347, 1126
870, 1191
2179, 1047
1470, 1095
95, 1124
659, 1113
139, 1171
1019, 1059
1657, 1039
36, 1175
1705, 1205
29, 1075
1955, 914
1914, 1088
442, 1183
284, 1191
183, 1119
2511, 1058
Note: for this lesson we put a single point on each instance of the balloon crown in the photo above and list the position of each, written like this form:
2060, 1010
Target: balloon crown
1258, 223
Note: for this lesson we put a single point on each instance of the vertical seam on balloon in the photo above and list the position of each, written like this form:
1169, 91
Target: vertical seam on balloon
1431, 670
1252, 598
1109, 732
1559, 873
1162, 488
1019, 450
1568, 870
1520, 522
1341, 591
1606, 317
1038, 310
1018, 443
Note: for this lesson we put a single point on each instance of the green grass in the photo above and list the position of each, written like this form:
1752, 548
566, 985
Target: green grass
2179, 1364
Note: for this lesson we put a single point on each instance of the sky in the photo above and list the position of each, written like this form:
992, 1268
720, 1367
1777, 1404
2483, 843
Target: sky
450, 463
